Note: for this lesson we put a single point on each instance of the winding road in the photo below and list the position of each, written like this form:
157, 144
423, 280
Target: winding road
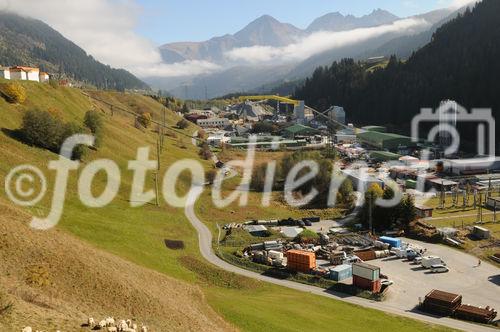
206, 250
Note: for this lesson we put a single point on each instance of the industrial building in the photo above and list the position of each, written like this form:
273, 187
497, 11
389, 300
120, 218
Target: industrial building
384, 156
337, 113
361, 181
384, 141
299, 130
472, 166
213, 123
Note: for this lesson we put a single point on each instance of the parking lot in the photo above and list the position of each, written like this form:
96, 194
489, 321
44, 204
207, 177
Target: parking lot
479, 285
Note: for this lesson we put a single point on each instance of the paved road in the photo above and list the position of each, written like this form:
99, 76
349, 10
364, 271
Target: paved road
206, 250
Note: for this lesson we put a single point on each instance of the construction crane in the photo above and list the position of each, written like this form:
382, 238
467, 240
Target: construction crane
284, 100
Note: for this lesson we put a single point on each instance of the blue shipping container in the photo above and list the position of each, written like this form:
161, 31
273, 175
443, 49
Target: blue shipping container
341, 272
393, 242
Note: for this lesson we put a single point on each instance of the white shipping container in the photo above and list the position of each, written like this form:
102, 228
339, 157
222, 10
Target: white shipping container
366, 271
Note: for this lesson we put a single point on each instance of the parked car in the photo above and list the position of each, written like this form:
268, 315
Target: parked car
417, 260
387, 282
439, 268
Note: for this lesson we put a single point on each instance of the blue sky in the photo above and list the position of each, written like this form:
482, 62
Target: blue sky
194, 20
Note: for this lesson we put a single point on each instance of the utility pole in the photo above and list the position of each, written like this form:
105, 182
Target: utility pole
370, 220
157, 172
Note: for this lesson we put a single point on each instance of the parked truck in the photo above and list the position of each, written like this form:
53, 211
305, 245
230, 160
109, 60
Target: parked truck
428, 261
404, 253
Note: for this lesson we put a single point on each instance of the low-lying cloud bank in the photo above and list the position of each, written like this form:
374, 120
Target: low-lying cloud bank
322, 41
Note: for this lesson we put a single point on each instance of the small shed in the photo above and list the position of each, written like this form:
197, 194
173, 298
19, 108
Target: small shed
256, 230
424, 211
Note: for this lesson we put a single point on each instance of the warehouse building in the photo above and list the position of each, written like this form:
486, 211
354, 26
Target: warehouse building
384, 141
384, 156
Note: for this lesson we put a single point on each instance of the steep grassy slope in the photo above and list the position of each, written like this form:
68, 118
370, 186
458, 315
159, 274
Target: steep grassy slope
106, 261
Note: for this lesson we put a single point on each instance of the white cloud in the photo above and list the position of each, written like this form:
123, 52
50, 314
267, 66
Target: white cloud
322, 41
105, 29
455, 4
188, 67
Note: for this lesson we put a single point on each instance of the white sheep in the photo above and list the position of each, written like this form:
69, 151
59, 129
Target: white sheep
112, 329
134, 326
102, 324
122, 325
144, 328
110, 321
27, 329
129, 323
91, 322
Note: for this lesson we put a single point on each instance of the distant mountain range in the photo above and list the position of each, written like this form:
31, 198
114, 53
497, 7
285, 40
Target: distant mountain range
267, 31
29, 42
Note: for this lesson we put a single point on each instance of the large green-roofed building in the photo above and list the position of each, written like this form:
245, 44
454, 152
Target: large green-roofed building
384, 141
384, 155
299, 130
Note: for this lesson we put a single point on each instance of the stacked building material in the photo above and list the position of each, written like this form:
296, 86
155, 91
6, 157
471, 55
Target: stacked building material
475, 314
441, 303
366, 276
300, 260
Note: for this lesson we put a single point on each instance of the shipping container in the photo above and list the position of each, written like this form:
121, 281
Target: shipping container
370, 285
366, 271
341, 272
392, 241
441, 303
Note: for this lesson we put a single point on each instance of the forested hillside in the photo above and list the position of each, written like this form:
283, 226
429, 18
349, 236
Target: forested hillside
461, 62
29, 42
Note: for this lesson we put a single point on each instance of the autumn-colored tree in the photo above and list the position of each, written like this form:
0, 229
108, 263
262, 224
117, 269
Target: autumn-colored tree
14, 92
145, 119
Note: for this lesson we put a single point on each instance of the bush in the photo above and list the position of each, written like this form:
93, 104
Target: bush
14, 92
202, 134
182, 124
144, 119
47, 131
307, 236
54, 83
205, 152
93, 121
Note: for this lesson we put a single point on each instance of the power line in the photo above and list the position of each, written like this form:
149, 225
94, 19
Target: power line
160, 124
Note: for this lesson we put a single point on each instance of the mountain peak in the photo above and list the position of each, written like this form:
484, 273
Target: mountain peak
338, 22
266, 30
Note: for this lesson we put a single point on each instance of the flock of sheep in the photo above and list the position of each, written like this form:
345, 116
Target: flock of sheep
109, 324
